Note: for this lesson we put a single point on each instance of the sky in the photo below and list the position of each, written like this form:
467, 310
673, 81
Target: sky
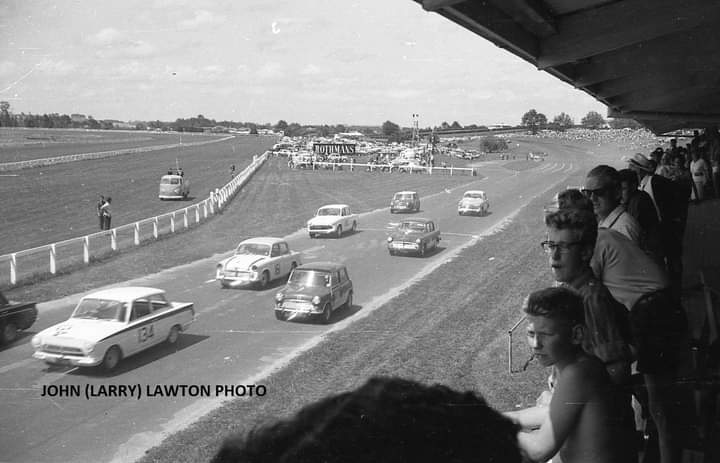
311, 62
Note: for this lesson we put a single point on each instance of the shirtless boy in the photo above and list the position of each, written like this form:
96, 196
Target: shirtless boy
585, 421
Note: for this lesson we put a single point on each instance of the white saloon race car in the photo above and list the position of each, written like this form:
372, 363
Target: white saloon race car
112, 324
474, 202
257, 261
332, 220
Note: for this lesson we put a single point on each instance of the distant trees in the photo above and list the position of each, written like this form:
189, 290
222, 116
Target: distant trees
563, 121
619, 123
491, 144
281, 126
391, 130
456, 125
593, 120
534, 120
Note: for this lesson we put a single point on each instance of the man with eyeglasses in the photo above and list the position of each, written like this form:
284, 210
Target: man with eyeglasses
602, 187
571, 237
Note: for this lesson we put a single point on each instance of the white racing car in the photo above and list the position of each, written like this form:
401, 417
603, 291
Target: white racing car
109, 325
332, 220
257, 261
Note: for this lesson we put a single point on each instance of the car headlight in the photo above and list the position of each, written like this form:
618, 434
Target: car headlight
279, 297
253, 268
418, 241
36, 341
389, 238
316, 300
88, 347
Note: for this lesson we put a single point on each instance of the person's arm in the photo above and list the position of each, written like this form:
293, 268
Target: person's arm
571, 393
529, 418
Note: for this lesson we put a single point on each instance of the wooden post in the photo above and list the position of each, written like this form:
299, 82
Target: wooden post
155, 227
197, 213
137, 233
13, 268
53, 259
172, 223
185, 218
113, 239
86, 249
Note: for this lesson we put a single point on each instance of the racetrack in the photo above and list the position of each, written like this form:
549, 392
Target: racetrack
237, 337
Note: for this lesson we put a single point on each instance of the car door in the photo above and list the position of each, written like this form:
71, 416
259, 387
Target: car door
274, 262
161, 325
141, 332
337, 294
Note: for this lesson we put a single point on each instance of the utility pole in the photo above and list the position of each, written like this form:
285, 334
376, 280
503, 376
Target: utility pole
415, 129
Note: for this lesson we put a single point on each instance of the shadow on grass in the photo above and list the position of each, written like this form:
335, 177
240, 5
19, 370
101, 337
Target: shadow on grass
140, 359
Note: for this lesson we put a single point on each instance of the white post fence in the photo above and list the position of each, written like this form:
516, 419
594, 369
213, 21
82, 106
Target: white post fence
29, 263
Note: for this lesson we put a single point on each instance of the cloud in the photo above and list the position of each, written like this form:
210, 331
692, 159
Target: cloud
201, 18
107, 36
8, 68
56, 68
114, 43
310, 70
270, 71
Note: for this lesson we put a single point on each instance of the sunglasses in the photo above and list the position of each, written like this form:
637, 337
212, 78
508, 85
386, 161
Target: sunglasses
598, 192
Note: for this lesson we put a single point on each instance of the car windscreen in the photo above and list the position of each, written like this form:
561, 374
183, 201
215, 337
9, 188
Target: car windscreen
312, 278
170, 181
328, 211
100, 309
414, 226
403, 196
473, 195
253, 249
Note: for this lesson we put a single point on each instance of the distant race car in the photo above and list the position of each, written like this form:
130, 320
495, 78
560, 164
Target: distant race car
112, 324
474, 202
15, 316
332, 220
315, 290
257, 261
415, 236
407, 201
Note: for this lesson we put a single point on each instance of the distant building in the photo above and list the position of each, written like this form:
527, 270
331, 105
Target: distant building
78, 118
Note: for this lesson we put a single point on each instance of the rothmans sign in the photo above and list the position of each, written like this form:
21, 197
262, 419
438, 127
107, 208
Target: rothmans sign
333, 148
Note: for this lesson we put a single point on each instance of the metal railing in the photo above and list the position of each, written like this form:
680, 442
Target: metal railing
390, 168
52, 258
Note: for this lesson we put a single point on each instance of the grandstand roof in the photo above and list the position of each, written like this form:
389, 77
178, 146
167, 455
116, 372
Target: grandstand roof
655, 61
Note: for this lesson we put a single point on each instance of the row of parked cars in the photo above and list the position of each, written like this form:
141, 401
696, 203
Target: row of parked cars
112, 324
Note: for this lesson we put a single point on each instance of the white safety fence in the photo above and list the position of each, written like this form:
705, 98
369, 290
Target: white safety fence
7, 166
52, 258
415, 169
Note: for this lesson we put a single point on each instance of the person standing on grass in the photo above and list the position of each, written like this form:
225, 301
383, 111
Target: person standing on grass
586, 421
106, 214
99, 212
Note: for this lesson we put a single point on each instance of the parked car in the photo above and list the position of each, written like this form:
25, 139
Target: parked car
474, 202
174, 185
411, 166
257, 261
315, 290
15, 316
408, 201
112, 324
332, 220
415, 236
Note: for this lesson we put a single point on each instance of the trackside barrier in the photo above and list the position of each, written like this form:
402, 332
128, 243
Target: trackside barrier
388, 168
97, 155
54, 257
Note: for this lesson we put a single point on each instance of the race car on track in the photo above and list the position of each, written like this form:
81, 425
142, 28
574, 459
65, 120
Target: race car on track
174, 185
414, 236
112, 324
315, 290
15, 316
257, 261
407, 201
474, 202
332, 220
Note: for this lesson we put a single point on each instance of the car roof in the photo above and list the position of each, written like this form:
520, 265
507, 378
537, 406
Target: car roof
334, 205
269, 240
474, 191
326, 266
417, 219
406, 192
125, 293
172, 176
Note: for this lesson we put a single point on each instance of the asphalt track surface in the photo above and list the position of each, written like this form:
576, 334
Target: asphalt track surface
235, 338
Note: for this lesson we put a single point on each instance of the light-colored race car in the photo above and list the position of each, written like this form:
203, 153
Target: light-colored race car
257, 261
174, 185
407, 201
112, 324
474, 202
332, 220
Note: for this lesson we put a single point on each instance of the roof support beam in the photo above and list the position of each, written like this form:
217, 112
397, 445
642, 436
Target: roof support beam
621, 24
660, 116
434, 5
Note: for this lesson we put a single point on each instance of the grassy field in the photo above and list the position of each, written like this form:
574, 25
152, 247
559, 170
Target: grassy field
49, 204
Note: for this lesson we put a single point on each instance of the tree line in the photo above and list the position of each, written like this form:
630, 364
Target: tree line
535, 121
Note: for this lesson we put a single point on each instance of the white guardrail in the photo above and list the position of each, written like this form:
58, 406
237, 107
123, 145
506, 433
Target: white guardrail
386, 168
74, 252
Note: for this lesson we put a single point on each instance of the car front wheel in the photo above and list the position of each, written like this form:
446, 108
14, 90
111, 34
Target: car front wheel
423, 248
264, 279
8, 333
339, 231
280, 315
111, 358
349, 301
173, 335
326, 314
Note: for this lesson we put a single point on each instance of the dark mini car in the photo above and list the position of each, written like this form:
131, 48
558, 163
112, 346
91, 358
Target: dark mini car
315, 290
406, 201
414, 236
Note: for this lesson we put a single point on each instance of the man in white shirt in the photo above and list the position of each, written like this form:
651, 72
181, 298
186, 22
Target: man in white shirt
602, 187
